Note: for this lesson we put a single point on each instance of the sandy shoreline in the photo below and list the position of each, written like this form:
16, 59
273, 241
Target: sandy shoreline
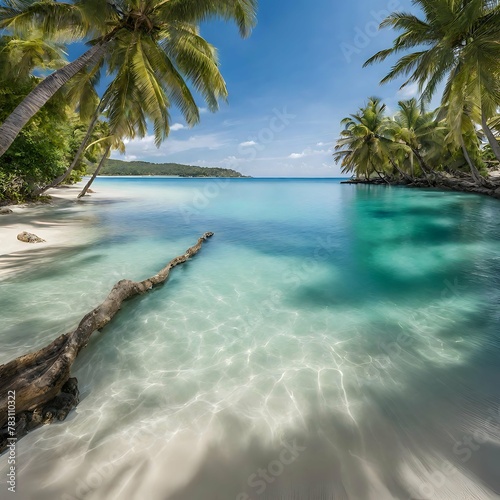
60, 223
30, 217
49, 222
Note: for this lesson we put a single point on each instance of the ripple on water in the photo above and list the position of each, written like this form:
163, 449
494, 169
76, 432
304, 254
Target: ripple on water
373, 355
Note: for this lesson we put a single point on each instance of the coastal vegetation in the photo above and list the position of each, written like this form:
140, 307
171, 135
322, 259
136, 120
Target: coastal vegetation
49, 142
118, 167
454, 46
148, 56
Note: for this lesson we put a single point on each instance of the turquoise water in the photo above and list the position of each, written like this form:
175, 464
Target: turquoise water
330, 342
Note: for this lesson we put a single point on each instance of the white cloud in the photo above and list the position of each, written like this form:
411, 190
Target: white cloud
145, 149
177, 126
203, 110
231, 162
232, 123
248, 144
409, 91
309, 152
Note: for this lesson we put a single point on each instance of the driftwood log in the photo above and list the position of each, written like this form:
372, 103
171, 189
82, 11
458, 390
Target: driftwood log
36, 388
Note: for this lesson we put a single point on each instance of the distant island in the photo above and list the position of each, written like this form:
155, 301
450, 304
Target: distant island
118, 167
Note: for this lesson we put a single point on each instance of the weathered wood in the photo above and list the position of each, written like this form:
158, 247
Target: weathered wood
41, 380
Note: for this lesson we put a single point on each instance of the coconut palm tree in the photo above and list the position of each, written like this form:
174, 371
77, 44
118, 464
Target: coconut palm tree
107, 144
494, 125
420, 132
20, 57
146, 83
157, 39
82, 95
452, 37
365, 146
461, 110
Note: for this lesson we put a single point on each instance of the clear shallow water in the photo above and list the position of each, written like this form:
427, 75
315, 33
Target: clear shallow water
330, 342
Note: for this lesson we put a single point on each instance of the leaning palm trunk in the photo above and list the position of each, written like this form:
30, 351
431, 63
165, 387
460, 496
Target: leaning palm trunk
476, 175
96, 173
412, 167
78, 155
401, 172
491, 137
381, 176
423, 165
34, 101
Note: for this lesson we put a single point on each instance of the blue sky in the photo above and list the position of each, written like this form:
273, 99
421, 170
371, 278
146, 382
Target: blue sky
289, 85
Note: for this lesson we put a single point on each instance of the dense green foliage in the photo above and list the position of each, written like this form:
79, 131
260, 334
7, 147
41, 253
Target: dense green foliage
117, 167
412, 144
45, 146
152, 54
453, 41
42, 149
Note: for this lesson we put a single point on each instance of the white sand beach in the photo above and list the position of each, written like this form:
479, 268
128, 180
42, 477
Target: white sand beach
30, 218
47, 221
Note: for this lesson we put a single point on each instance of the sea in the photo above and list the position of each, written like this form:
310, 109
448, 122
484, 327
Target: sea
330, 341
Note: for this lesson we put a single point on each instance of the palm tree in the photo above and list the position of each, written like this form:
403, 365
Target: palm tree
494, 125
462, 111
107, 144
145, 85
77, 158
81, 94
453, 37
20, 57
364, 146
157, 39
419, 131
104, 157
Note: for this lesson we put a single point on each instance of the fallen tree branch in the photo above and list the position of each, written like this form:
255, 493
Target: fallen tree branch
41, 380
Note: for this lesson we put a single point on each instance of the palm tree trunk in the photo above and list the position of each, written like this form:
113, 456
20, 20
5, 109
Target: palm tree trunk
78, 154
423, 165
491, 137
478, 179
32, 103
403, 174
380, 175
96, 173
